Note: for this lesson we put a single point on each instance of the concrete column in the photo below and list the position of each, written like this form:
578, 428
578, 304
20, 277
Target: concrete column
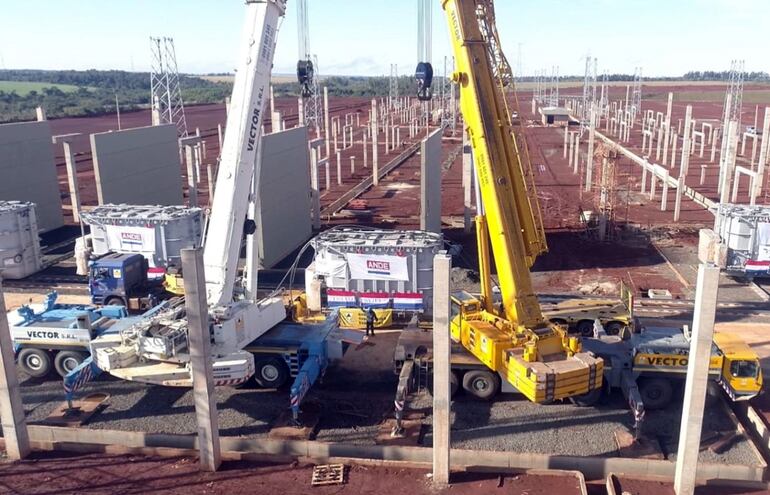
442, 267
644, 175
713, 148
220, 137
199, 339
653, 183
192, 178
763, 154
375, 154
366, 151
300, 112
571, 159
687, 144
12, 417
339, 168
664, 191
667, 135
728, 166
590, 157
41, 116
430, 183
210, 180
657, 145
577, 154
678, 200
327, 172
352, 165
703, 174
566, 138
326, 121
673, 150
697, 379
315, 193
72, 179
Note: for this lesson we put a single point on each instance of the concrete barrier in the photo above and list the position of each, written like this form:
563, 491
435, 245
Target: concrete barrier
471, 460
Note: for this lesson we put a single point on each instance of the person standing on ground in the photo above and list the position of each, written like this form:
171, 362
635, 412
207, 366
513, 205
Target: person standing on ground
371, 319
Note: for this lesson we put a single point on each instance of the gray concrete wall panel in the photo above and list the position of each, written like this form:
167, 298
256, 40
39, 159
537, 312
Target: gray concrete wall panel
138, 166
430, 183
284, 200
28, 170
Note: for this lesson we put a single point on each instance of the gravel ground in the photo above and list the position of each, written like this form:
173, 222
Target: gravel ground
357, 394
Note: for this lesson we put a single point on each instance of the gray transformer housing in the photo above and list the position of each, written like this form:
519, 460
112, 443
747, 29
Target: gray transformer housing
744, 231
20, 253
175, 228
419, 248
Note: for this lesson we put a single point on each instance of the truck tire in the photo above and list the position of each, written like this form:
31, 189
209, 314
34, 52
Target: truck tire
614, 328
656, 392
35, 362
271, 372
588, 399
66, 361
481, 384
585, 328
114, 301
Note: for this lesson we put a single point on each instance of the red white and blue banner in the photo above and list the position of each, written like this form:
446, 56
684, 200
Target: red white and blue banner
128, 239
374, 299
407, 301
156, 273
753, 266
340, 298
377, 267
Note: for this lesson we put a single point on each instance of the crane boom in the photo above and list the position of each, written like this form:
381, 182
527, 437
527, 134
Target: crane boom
239, 150
539, 359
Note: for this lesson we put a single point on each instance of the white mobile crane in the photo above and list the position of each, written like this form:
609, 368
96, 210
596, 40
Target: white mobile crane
153, 348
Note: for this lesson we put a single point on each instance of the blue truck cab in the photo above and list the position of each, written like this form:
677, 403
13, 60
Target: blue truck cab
121, 280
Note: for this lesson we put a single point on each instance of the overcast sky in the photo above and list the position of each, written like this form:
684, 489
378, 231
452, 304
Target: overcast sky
363, 37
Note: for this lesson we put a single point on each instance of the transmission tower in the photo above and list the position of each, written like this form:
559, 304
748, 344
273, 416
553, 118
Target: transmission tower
165, 92
553, 90
393, 94
447, 95
636, 98
734, 93
307, 71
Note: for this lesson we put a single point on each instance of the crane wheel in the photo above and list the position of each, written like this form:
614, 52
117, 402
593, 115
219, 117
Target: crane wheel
614, 328
588, 399
35, 362
66, 361
656, 392
271, 372
585, 328
115, 301
481, 384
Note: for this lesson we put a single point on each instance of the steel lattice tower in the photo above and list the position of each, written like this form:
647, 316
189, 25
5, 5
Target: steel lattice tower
604, 99
311, 92
735, 92
165, 91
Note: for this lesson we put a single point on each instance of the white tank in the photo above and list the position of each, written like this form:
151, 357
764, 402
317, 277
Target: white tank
20, 254
157, 232
739, 234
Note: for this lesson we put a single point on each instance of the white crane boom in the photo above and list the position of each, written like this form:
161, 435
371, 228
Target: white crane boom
251, 90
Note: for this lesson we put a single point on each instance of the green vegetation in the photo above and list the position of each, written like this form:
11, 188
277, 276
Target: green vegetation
84, 93
23, 88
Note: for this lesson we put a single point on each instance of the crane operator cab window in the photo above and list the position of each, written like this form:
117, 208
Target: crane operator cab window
744, 369
463, 302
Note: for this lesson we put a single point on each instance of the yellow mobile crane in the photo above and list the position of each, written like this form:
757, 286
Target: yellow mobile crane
535, 356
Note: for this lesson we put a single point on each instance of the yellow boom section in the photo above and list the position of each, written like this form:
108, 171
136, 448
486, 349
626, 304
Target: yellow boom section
512, 229
537, 358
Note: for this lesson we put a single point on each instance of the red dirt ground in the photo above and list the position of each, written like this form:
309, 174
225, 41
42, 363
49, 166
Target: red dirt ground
45, 474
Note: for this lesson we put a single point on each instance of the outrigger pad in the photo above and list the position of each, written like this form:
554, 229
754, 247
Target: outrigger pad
642, 448
80, 413
285, 428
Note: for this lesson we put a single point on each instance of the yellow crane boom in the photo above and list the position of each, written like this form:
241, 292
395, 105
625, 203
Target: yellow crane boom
536, 357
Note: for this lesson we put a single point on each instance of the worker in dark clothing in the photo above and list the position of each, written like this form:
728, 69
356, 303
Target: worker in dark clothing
371, 319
